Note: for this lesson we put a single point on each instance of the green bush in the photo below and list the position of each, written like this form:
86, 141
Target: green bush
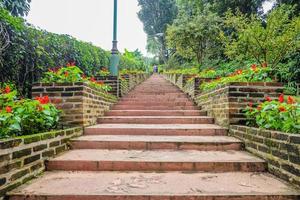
254, 74
25, 116
72, 74
278, 115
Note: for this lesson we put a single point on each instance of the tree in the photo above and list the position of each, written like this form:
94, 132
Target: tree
16, 7
156, 15
295, 3
195, 37
266, 42
194, 7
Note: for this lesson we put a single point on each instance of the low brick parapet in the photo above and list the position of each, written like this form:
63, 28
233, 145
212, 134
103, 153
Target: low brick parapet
23, 158
80, 103
280, 150
228, 102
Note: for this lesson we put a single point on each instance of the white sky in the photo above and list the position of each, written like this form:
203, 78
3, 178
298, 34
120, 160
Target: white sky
91, 21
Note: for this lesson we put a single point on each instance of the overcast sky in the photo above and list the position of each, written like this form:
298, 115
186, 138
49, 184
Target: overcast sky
91, 21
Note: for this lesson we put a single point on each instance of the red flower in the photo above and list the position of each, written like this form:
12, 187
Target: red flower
239, 72
66, 74
93, 79
259, 107
264, 65
100, 83
71, 64
250, 104
7, 89
291, 100
83, 76
254, 67
8, 109
282, 109
268, 99
43, 100
281, 98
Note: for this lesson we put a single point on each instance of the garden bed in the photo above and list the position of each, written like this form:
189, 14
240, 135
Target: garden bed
23, 158
227, 102
280, 150
81, 103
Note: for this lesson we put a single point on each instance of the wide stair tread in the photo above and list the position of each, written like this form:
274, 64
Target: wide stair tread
157, 119
155, 186
156, 113
156, 129
142, 142
158, 160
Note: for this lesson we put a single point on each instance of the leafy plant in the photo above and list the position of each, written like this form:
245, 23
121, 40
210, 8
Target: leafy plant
104, 72
254, 74
25, 116
72, 74
278, 115
268, 41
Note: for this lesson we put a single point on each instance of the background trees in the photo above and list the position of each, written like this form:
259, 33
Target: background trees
16, 7
156, 15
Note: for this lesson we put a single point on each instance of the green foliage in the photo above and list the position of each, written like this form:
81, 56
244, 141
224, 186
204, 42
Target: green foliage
25, 116
276, 115
103, 72
72, 74
132, 60
16, 7
195, 37
254, 74
268, 42
31, 52
156, 15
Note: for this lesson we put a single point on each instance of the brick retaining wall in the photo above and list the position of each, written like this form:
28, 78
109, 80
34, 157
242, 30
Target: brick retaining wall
280, 150
227, 103
81, 104
23, 158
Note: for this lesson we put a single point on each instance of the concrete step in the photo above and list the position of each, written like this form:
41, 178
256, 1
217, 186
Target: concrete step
162, 96
153, 103
127, 142
155, 186
158, 160
155, 129
154, 99
156, 120
156, 113
137, 107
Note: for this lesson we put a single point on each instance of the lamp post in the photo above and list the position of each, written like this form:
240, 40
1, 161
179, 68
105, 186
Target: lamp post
114, 60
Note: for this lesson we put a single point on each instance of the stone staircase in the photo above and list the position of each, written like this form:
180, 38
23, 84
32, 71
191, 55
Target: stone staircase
155, 144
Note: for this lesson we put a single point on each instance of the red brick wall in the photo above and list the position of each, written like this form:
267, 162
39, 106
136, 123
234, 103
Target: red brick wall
280, 150
80, 103
23, 158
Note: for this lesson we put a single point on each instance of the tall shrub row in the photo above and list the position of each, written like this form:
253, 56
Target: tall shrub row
27, 52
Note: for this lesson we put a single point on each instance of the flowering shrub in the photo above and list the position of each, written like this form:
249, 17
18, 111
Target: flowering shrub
210, 73
254, 74
282, 115
104, 72
25, 116
131, 71
71, 74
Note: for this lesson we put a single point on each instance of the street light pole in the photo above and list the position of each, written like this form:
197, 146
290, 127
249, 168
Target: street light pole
114, 60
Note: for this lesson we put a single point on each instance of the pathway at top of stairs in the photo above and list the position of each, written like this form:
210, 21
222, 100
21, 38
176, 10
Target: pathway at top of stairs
155, 144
